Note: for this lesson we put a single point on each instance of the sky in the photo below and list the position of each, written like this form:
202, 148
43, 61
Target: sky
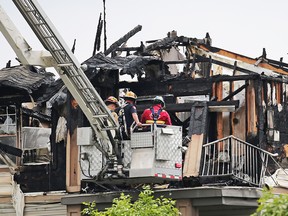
244, 27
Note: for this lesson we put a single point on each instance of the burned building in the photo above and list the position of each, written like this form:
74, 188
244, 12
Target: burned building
232, 95
228, 113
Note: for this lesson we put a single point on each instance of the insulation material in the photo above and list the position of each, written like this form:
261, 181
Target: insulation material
61, 129
35, 138
172, 54
274, 99
269, 95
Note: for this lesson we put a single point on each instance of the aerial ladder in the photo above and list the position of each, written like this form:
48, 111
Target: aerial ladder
71, 73
161, 147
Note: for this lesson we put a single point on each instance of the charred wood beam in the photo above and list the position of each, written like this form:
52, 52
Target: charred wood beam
73, 47
242, 58
235, 92
204, 59
105, 30
186, 107
36, 114
123, 39
10, 150
177, 87
181, 62
199, 86
274, 79
8, 64
260, 86
279, 64
128, 49
187, 88
151, 41
184, 41
219, 78
97, 41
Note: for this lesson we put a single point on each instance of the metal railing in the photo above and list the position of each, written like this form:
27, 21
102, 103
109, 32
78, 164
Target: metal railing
233, 157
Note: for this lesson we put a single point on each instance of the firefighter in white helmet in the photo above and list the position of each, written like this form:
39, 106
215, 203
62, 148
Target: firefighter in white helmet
156, 114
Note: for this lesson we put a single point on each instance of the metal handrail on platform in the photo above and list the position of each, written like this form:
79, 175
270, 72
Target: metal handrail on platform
234, 157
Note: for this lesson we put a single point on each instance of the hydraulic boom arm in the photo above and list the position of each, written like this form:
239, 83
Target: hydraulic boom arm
68, 68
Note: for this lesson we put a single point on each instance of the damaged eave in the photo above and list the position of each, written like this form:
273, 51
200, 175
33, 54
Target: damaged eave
242, 61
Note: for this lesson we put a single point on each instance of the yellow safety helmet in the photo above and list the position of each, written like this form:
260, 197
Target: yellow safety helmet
130, 95
112, 100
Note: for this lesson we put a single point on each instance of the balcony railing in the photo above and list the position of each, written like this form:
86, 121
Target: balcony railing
235, 158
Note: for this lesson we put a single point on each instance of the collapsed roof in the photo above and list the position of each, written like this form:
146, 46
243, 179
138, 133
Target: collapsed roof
161, 56
157, 61
22, 84
25, 78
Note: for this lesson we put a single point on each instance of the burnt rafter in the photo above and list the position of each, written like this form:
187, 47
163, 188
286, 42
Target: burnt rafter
200, 59
223, 78
176, 87
279, 64
224, 64
123, 39
268, 64
129, 49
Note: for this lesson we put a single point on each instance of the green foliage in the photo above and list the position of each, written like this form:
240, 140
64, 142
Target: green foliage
272, 205
146, 205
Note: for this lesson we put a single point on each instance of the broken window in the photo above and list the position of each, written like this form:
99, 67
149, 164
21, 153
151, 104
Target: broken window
8, 128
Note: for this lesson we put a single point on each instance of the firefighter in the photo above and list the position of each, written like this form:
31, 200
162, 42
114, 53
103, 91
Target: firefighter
128, 114
112, 104
156, 114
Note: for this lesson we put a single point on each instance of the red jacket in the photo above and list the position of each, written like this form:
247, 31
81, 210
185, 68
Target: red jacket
164, 117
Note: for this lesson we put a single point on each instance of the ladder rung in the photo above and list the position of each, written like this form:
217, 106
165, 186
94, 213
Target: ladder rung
38, 24
29, 11
75, 76
50, 36
91, 101
100, 115
84, 88
108, 128
58, 50
66, 65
